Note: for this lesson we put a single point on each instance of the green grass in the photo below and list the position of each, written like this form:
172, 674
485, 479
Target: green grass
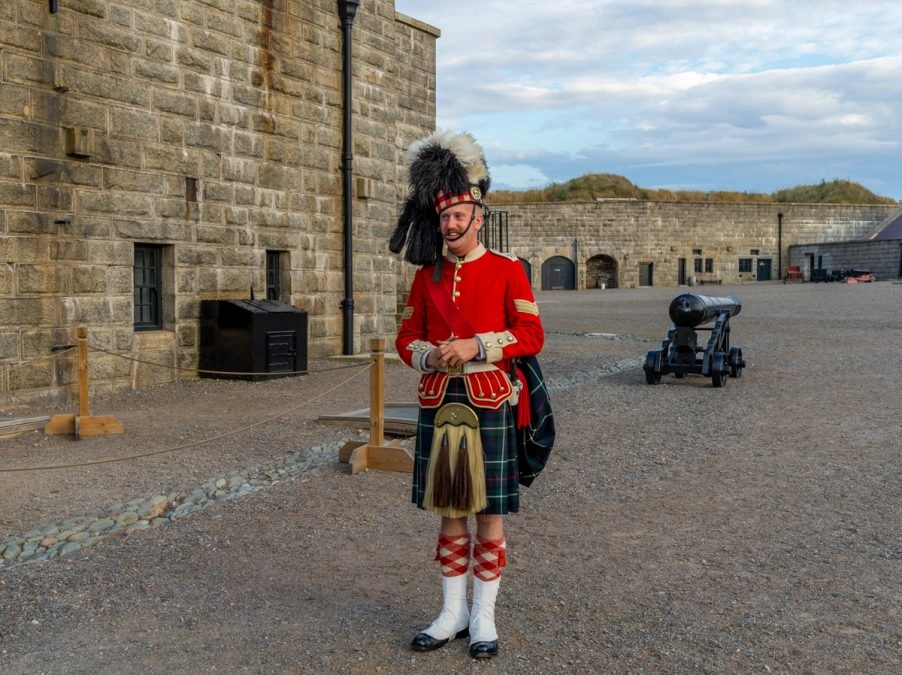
611, 186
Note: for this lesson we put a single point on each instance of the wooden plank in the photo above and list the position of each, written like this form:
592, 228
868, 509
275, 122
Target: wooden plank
60, 424
99, 425
359, 459
92, 425
389, 458
344, 455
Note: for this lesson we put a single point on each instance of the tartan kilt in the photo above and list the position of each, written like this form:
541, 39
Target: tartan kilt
499, 444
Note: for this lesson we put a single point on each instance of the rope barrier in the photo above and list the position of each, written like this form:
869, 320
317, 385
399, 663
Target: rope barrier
21, 363
234, 432
279, 373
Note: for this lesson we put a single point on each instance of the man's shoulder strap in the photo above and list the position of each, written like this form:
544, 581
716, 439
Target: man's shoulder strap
505, 254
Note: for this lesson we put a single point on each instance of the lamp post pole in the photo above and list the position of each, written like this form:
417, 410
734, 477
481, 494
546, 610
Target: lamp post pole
347, 10
779, 246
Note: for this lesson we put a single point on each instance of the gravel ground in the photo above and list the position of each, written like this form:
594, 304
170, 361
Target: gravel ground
678, 528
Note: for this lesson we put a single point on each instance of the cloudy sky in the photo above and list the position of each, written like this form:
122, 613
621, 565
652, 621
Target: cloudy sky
745, 95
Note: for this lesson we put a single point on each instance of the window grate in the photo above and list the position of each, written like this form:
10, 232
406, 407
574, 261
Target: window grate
273, 274
148, 272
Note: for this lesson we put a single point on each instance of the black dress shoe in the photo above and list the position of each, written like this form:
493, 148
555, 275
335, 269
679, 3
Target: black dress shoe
484, 650
426, 643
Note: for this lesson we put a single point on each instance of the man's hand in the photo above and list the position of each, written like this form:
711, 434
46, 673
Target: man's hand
453, 352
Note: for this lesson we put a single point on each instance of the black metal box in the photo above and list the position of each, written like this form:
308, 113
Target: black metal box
245, 339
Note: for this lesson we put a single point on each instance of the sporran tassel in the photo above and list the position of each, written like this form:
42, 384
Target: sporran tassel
442, 489
462, 486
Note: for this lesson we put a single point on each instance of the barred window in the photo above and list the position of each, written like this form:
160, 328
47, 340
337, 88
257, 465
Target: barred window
278, 279
148, 274
273, 288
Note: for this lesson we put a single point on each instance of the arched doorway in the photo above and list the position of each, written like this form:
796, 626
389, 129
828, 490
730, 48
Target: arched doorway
558, 274
526, 268
601, 272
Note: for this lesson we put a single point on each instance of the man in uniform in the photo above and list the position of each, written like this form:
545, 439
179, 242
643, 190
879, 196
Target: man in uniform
469, 312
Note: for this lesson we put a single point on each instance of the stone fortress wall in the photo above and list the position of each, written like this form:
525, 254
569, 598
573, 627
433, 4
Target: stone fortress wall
210, 131
626, 237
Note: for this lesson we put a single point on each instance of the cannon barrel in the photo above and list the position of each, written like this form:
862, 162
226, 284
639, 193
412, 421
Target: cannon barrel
690, 310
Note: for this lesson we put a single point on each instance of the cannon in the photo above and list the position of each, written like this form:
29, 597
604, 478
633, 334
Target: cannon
680, 353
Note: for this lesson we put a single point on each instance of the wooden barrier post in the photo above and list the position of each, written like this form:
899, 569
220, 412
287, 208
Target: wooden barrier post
83, 424
377, 392
376, 454
81, 351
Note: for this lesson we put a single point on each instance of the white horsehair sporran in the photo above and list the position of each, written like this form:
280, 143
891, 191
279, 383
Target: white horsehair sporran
455, 475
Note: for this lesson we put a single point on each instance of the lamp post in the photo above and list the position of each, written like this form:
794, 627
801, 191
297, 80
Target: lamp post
347, 10
780, 246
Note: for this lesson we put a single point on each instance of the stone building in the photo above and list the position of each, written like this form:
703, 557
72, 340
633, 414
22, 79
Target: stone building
623, 243
880, 254
156, 154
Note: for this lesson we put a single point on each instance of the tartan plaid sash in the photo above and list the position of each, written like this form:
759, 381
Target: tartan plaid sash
536, 439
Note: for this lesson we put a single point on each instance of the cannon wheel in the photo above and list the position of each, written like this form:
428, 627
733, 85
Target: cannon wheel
652, 368
720, 369
736, 362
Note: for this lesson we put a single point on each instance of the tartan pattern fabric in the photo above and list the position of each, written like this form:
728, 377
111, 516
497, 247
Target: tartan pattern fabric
453, 554
499, 443
489, 556
535, 439
443, 200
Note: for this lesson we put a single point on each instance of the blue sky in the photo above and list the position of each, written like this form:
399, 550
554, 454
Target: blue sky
745, 95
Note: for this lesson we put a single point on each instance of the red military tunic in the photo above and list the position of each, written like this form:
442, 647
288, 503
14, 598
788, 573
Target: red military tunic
492, 291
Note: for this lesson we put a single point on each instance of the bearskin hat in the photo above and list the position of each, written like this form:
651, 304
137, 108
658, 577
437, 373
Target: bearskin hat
446, 168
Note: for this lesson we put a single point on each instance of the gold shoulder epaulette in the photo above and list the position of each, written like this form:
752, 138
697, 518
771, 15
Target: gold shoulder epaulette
509, 256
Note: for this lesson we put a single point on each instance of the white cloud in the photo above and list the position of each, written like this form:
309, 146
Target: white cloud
766, 91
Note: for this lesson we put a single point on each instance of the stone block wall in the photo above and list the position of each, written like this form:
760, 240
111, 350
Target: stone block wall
632, 233
883, 257
214, 130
